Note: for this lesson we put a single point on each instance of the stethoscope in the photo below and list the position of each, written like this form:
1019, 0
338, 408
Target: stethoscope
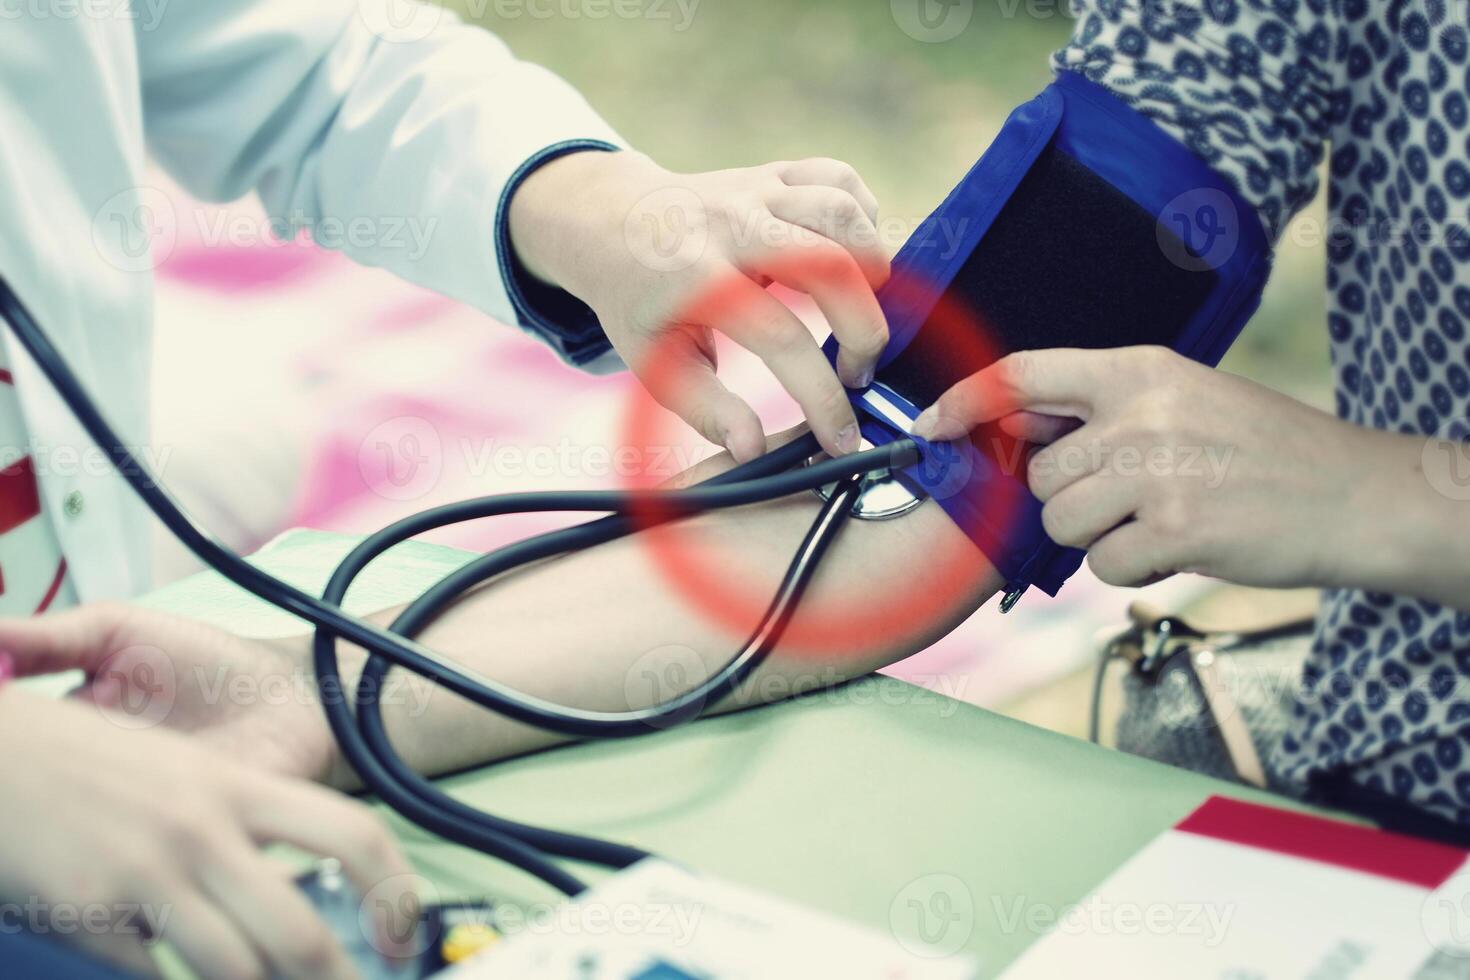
851, 484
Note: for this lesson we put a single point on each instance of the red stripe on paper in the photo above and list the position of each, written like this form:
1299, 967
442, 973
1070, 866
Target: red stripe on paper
1377, 852
20, 495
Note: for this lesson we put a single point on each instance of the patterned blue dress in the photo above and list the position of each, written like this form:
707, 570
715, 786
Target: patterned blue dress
1263, 89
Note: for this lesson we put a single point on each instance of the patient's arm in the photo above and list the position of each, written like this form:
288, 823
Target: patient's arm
605, 629
601, 629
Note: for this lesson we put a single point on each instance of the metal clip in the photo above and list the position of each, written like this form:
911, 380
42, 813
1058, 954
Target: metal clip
1009, 600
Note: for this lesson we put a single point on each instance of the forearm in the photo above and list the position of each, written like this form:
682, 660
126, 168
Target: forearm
605, 629
1406, 529
388, 131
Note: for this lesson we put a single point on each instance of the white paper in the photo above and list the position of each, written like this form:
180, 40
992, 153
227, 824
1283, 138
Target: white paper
659, 921
1196, 906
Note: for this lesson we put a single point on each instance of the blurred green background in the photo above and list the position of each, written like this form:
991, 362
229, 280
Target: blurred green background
708, 84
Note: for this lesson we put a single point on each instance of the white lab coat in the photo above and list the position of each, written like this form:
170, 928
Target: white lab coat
336, 111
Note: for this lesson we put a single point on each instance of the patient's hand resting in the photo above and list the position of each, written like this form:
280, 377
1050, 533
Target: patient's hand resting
249, 699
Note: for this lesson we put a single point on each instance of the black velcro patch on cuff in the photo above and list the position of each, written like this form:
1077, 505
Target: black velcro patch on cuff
1070, 261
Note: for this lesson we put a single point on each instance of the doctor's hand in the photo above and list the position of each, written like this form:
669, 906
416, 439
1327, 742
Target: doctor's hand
1158, 464
118, 838
666, 260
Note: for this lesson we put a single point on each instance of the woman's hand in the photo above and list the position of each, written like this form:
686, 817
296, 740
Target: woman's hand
1176, 467
255, 702
118, 837
666, 260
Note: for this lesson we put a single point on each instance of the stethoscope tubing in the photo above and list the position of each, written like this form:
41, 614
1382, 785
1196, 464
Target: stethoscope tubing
362, 735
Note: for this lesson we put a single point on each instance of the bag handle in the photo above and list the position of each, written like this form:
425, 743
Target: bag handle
1224, 713
1145, 643
1149, 618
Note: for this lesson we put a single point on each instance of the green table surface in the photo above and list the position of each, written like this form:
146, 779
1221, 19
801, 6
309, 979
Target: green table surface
885, 803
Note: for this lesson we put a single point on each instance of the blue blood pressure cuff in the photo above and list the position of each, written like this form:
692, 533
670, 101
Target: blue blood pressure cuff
1083, 225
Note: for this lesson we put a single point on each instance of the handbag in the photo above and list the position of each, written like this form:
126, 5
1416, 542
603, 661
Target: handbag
1215, 702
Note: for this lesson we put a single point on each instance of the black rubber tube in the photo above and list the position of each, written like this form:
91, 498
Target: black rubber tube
408, 793
654, 505
375, 740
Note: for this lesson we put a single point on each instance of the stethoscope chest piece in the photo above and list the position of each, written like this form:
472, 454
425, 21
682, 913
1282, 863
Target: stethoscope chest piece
882, 497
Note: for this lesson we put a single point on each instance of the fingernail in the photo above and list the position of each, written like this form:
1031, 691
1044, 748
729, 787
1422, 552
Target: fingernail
848, 439
738, 452
864, 378
934, 428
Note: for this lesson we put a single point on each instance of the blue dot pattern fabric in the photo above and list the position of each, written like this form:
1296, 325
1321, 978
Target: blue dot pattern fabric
1265, 90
